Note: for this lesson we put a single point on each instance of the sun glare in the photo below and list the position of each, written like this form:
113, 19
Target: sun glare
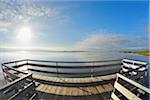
24, 34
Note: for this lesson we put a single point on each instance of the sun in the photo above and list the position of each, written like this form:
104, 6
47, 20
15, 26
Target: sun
24, 34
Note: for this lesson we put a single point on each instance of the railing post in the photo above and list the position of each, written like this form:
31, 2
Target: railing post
147, 68
57, 69
2, 68
27, 65
4, 74
16, 63
113, 91
27, 61
92, 69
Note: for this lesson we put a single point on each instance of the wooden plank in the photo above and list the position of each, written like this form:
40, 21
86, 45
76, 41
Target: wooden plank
126, 92
125, 70
135, 61
100, 89
53, 89
114, 97
40, 87
58, 90
108, 87
93, 90
89, 89
132, 65
83, 91
67, 90
142, 69
73, 91
46, 88
134, 83
126, 64
63, 91
49, 88
75, 80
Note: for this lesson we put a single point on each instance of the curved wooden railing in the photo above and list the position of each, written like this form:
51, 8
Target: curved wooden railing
62, 61
58, 65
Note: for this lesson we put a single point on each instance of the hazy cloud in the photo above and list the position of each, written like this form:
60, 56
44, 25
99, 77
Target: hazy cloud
104, 41
4, 25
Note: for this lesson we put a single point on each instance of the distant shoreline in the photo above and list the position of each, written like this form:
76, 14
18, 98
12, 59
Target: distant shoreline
142, 52
40, 50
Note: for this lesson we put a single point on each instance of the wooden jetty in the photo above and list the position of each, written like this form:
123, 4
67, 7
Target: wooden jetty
62, 88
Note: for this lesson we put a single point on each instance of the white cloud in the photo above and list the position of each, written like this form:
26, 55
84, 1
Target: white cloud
20, 11
4, 26
3, 30
108, 41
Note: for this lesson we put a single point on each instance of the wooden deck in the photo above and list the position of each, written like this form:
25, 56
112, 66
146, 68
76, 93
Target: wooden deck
56, 88
71, 86
75, 90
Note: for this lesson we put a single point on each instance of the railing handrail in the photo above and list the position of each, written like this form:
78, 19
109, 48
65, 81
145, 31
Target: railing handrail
15, 82
66, 73
14, 69
134, 61
73, 67
74, 61
15, 61
134, 83
62, 61
135, 69
57, 65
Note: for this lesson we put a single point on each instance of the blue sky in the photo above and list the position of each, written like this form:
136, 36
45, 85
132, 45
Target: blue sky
81, 25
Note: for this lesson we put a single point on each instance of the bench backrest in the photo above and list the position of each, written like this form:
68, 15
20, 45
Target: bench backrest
134, 67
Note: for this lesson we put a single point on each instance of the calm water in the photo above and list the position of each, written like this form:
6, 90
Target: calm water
6, 56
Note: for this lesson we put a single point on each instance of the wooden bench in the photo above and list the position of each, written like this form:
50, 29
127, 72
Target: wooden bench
121, 92
19, 88
134, 67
